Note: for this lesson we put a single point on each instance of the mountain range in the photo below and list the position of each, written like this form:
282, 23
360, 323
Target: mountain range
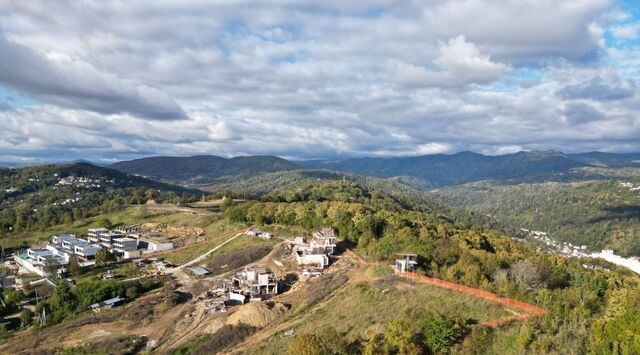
423, 172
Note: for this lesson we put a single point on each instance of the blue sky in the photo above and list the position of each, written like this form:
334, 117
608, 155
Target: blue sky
117, 80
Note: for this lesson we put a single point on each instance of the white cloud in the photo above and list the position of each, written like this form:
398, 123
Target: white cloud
629, 31
433, 148
459, 63
307, 80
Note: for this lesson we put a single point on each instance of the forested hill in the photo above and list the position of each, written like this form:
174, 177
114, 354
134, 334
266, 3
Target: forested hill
599, 214
422, 172
41, 196
290, 186
442, 170
203, 169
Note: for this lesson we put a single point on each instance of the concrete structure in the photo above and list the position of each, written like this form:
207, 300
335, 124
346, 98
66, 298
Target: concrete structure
324, 241
319, 260
318, 251
124, 244
255, 283
87, 251
406, 262
155, 244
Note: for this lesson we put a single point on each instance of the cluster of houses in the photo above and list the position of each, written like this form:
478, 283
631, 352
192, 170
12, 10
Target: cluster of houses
128, 242
83, 182
124, 243
314, 255
630, 186
57, 253
560, 248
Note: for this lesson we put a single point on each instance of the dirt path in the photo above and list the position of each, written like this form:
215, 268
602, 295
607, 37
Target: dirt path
203, 256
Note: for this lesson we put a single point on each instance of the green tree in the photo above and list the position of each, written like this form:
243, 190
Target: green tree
105, 222
305, 344
399, 338
103, 257
373, 345
50, 267
441, 332
26, 317
73, 266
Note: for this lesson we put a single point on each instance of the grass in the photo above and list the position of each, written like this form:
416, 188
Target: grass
364, 306
239, 243
124, 217
379, 271
185, 254
212, 224
192, 345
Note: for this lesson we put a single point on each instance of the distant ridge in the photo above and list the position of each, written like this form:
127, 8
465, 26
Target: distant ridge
421, 172
442, 169
203, 168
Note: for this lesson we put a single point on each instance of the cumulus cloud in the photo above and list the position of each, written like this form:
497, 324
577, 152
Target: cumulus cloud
629, 31
598, 88
72, 83
459, 63
109, 79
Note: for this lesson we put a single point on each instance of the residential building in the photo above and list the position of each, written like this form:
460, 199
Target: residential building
255, 283
155, 244
87, 251
60, 239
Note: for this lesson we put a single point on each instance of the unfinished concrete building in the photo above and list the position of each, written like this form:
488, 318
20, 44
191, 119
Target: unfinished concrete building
324, 241
254, 283
316, 253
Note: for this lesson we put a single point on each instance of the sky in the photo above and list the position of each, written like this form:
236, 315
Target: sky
110, 80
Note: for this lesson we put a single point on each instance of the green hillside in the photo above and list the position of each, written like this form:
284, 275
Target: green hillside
39, 197
598, 214
203, 169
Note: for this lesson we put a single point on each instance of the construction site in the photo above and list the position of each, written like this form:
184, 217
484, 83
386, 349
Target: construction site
300, 284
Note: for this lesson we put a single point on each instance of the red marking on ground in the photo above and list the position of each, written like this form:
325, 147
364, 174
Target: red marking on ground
525, 307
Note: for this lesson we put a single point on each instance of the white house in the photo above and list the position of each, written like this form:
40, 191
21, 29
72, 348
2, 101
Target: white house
87, 250
60, 239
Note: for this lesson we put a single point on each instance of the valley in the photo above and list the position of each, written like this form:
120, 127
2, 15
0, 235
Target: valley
472, 274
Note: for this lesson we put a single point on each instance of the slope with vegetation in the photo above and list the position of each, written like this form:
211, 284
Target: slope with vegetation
598, 214
31, 199
203, 169
369, 311
588, 310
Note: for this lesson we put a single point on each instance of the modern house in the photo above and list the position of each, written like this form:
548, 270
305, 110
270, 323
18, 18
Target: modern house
87, 251
154, 244
60, 239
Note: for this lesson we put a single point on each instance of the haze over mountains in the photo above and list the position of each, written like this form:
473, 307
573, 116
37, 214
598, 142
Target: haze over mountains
422, 171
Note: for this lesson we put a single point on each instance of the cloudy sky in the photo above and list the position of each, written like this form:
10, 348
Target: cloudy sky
109, 80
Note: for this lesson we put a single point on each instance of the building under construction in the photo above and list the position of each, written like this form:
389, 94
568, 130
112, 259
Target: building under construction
254, 283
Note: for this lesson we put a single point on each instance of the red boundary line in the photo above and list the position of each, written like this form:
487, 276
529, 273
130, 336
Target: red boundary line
529, 309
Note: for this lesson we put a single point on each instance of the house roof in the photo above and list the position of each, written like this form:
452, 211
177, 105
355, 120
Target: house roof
108, 302
200, 271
